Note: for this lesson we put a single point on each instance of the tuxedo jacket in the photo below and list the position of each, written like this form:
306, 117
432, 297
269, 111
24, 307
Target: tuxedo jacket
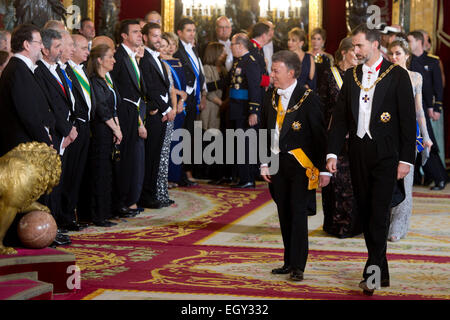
303, 126
81, 109
187, 65
158, 84
124, 78
59, 99
24, 109
393, 116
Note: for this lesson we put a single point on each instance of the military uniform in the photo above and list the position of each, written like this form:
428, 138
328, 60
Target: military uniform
245, 100
432, 93
258, 53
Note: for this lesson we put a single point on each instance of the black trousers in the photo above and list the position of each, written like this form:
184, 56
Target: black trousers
188, 124
289, 189
246, 171
100, 172
156, 130
373, 180
77, 154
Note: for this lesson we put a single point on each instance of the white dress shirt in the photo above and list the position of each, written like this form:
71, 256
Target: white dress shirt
190, 51
285, 96
132, 55
27, 61
229, 60
155, 55
370, 75
268, 53
79, 69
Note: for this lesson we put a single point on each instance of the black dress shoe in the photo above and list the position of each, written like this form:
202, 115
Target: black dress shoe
105, 223
61, 240
246, 185
221, 181
125, 212
62, 230
167, 203
282, 270
187, 183
439, 186
153, 204
296, 275
74, 226
366, 290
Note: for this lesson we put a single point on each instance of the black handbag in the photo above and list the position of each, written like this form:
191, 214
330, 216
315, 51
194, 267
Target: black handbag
116, 153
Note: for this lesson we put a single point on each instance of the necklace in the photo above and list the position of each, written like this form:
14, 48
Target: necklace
376, 81
295, 107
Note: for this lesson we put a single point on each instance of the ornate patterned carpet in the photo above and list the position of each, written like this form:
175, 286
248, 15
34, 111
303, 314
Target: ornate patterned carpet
218, 243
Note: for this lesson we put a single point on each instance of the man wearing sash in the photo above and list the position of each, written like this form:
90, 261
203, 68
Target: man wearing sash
82, 113
128, 79
49, 75
376, 108
298, 138
195, 84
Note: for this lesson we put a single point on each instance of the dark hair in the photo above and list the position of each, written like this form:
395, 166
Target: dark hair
321, 32
259, 29
418, 36
372, 35
212, 53
402, 43
83, 21
290, 60
3, 57
243, 39
124, 27
21, 33
48, 35
99, 51
345, 45
150, 26
183, 22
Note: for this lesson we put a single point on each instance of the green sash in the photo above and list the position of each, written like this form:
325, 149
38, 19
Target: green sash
135, 71
82, 81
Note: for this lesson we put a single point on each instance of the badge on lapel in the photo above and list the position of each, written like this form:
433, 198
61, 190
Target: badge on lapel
296, 126
237, 71
385, 117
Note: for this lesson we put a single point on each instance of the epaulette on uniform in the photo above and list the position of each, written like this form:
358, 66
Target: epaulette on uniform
433, 56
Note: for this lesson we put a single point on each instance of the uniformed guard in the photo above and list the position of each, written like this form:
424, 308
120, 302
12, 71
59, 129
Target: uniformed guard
260, 36
432, 93
245, 100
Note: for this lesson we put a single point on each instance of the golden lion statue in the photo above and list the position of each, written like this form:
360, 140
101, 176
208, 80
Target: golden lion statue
26, 172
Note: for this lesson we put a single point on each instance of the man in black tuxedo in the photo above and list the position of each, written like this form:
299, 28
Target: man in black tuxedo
159, 111
25, 115
195, 84
49, 75
129, 81
77, 153
294, 116
376, 108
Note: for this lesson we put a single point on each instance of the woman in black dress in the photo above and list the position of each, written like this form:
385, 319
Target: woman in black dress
106, 133
322, 59
339, 205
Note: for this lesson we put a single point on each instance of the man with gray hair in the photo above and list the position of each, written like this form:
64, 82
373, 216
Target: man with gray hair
293, 115
5, 41
245, 100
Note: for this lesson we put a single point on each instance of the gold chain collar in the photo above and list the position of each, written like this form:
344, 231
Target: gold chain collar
294, 108
376, 81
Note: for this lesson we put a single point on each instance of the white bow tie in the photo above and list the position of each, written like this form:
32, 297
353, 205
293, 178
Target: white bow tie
283, 93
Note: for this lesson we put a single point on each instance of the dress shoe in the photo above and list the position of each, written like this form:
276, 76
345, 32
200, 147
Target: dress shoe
296, 275
125, 212
61, 240
62, 230
167, 203
439, 186
282, 270
246, 185
366, 290
187, 183
152, 204
105, 223
221, 181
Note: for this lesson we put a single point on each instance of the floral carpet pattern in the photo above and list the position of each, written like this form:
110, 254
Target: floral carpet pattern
219, 243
